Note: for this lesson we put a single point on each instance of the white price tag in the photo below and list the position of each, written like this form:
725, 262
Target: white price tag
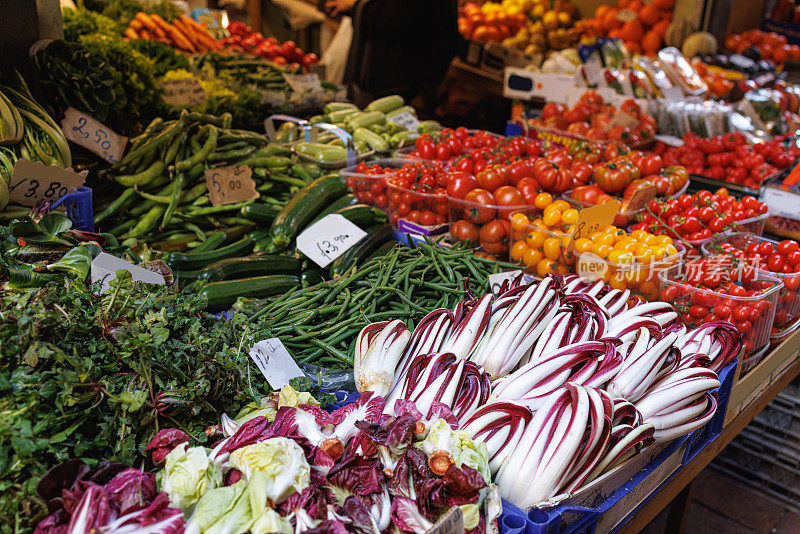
593, 71
670, 140
105, 267
407, 120
82, 129
329, 238
496, 280
301, 83
451, 523
275, 362
781, 203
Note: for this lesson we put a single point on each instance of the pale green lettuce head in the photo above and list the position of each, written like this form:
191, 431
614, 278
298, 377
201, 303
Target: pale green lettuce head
281, 460
224, 510
463, 451
188, 474
472, 515
268, 407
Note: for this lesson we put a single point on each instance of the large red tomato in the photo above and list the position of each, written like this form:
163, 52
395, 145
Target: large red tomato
494, 237
518, 170
460, 184
614, 175
553, 110
480, 207
559, 156
464, 231
551, 177
647, 163
581, 172
492, 178
510, 197
586, 193
529, 188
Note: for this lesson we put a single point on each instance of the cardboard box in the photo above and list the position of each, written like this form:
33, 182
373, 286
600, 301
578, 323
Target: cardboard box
523, 84
494, 58
748, 388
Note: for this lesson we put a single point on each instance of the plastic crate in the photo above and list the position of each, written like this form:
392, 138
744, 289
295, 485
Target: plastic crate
780, 335
404, 201
788, 306
527, 245
703, 436
473, 217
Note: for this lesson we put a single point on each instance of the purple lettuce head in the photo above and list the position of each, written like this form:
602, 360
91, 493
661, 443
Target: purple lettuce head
131, 488
92, 511
358, 475
328, 527
463, 485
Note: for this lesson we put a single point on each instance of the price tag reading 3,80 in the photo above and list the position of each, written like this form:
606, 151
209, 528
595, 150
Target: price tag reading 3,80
329, 238
31, 182
275, 362
93, 135
229, 185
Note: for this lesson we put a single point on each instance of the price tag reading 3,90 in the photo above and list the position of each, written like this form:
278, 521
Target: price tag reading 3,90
329, 238
229, 185
93, 135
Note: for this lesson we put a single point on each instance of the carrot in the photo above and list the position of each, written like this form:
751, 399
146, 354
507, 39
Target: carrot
130, 33
793, 177
159, 32
181, 40
145, 34
146, 21
186, 30
136, 25
161, 23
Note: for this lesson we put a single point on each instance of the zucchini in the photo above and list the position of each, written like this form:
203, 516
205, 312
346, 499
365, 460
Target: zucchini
376, 236
398, 111
340, 116
260, 265
260, 213
212, 241
403, 139
188, 261
221, 295
362, 120
386, 104
359, 214
338, 106
374, 140
304, 206
321, 152
342, 202
312, 276
429, 126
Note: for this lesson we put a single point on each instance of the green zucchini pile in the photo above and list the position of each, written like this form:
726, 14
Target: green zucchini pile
265, 262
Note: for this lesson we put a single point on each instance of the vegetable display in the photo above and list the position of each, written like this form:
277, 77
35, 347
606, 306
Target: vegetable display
183, 33
561, 379
244, 39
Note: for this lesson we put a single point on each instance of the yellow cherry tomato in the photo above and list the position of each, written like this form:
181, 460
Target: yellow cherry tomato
601, 250
518, 250
670, 250
608, 239
561, 204
535, 239
664, 240
532, 257
650, 240
519, 222
583, 245
545, 267
543, 200
638, 234
617, 282
569, 216
552, 217
552, 248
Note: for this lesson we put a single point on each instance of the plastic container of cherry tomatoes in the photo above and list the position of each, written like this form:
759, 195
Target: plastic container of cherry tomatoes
749, 362
788, 305
408, 152
539, 250
779, 335
429, 210
753, 225
752, 315
369, 186
638, 276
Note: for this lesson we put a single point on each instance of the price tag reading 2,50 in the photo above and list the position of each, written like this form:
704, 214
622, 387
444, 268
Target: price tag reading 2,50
93, 135
229, 185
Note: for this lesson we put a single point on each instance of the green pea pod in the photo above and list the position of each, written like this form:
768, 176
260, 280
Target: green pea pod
147, 222
172, 151
176, 198
161, 139
123, 199
194, 193
208, 147
148, 175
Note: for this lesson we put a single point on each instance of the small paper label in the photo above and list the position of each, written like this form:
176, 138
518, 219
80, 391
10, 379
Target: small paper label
301, 83
496, 280
670, 140
595, 218
31, 182
593, 71
83, 130
627, 15
450, 523
407, 120
781, 203
641, 197
183, 92
275, 362
623, 119
329, 238
105, 267
229, 185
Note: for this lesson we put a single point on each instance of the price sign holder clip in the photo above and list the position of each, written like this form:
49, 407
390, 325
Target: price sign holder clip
79, 208
269, 126
346, 138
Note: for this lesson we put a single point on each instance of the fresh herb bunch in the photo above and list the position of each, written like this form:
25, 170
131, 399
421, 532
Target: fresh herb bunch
79, 22
102, 76
164, 57
95, 376
123, 11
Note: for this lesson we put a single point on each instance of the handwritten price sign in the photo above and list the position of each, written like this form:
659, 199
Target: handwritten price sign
406, 120
83, 130
591, 220
301, 83
31, 182
183, 92
329, 238
229, 185
275, 362
450, 523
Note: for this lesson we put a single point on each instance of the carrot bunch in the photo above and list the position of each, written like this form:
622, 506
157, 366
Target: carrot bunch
183, 33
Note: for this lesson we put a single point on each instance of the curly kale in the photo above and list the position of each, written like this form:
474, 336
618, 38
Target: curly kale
78, 22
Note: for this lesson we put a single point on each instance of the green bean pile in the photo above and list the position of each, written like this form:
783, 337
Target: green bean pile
165, 198
319, 324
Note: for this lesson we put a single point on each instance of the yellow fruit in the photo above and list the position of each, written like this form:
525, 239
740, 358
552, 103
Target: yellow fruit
532, 257
518, 250
550, 20
564, 18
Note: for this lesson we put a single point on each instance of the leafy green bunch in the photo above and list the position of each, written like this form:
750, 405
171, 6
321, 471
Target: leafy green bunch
78, 22
95, 376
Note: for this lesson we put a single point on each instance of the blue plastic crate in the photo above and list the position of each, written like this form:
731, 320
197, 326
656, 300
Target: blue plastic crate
700, 438
79, 208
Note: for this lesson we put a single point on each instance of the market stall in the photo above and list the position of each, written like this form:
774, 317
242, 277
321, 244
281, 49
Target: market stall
234, 301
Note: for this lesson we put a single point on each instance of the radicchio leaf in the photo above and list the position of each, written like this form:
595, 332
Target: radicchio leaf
463, 485
407, 517
328, 527
249, 432
232, 477
358, 475
131, 488
164, 441
311, 499
92, 511
60, 477
357, 512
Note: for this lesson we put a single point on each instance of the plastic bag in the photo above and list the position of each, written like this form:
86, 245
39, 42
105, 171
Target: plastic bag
335, 56
299, 15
